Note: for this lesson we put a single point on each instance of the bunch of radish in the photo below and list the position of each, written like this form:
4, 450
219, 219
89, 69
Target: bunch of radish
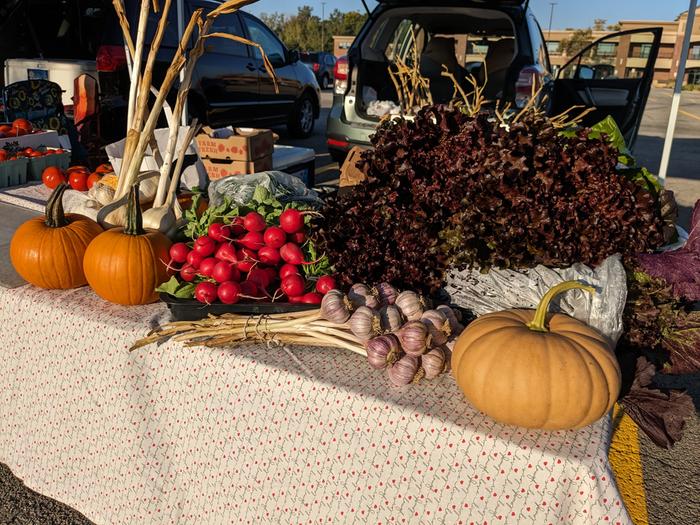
250, 259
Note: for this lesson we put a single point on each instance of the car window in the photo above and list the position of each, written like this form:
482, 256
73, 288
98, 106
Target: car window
268, 41
170, 37
230, 24
539, 47
309, 58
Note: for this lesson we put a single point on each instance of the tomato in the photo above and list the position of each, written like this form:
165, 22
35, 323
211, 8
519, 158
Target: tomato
17, 132
103, 168
4, 128
52, 177
92, 179
56, 151
3, 154
36, 153
28, 151
78, 180
24, 124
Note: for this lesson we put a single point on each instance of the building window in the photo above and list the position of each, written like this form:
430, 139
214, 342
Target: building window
607, 49
553, 48
694, 76
666, 50
640, 50
477, 48
694, 52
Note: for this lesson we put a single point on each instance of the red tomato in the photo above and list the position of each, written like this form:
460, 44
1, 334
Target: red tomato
92, 179
36, 153
17, 132
24, 124
104, 168
56, 151
78, 168
4, 128
52, 177
3, 154
78, 180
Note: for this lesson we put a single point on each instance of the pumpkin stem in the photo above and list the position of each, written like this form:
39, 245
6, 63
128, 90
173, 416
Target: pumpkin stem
538, 322
55, 217
134, 219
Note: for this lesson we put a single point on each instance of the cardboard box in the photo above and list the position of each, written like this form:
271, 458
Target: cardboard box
240, 144
350, 174
220, 169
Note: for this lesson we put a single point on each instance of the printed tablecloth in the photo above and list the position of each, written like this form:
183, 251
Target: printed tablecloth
264, 435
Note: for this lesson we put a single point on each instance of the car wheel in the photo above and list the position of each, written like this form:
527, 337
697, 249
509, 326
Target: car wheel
325, 82
302, 120
338, 155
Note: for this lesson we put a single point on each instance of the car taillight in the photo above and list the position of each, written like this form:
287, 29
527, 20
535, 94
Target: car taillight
342, 67
317, 67
529, 81
110, 58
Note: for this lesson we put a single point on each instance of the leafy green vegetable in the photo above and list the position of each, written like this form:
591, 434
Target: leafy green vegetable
322, 267
177, 289
609, 127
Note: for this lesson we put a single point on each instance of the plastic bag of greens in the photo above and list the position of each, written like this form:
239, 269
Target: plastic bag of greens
282, 186
496, 290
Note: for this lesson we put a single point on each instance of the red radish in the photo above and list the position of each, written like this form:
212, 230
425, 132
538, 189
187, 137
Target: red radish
188, 273
207, 266
269, 255
275, 237
292, 286
224, 271
249, 289
219, 232
312, 298
204, 246
292, 254
287, 270
247, 259
236, 226
229, 292
291, 220
325, 284
254, 222
227, 252
296, 299
205, 292
272, 274
298, 237
260, 277
252, 240
194, 259
179, 252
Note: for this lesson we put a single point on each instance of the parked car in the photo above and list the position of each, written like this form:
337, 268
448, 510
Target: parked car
499, 44
323, 66
230, 85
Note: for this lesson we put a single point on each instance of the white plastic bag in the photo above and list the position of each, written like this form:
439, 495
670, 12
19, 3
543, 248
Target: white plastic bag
496, 290
283, 187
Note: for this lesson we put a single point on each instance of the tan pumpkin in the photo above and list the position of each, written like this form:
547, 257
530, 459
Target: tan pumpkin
48, 251
534, 370
125, 265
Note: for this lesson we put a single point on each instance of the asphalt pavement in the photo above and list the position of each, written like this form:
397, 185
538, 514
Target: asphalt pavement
671, 478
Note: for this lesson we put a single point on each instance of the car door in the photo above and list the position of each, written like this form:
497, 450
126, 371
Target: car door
274, 105
612, 75
229, 88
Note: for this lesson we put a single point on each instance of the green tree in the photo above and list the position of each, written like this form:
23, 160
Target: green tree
578, 40
599, 24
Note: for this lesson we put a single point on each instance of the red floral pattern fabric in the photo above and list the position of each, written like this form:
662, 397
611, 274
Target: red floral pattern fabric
265, 435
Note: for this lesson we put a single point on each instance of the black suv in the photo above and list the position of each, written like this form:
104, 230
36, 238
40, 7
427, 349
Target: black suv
323, 66
498, 43
230, 85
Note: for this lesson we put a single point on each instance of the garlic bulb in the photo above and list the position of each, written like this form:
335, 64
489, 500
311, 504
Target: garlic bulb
148, 186
101, 193
454, 317
405, 370
364, 323
438, 326
362, 295
386, 293
414, 338
382, 351
161, 219
390, 317
411, 305
335, 307
434, 363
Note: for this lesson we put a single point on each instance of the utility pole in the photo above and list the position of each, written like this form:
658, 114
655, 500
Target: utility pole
323, 26
551, 15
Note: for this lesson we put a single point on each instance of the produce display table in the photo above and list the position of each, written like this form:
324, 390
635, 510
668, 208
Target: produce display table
255, 434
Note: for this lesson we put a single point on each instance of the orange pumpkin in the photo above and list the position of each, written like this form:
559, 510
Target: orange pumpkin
48, 251
125, 265
524, 371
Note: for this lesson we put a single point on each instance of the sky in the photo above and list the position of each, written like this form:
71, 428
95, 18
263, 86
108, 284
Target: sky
567, 13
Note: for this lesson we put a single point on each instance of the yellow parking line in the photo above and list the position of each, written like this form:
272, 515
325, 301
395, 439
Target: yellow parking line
683, 112
627, 466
